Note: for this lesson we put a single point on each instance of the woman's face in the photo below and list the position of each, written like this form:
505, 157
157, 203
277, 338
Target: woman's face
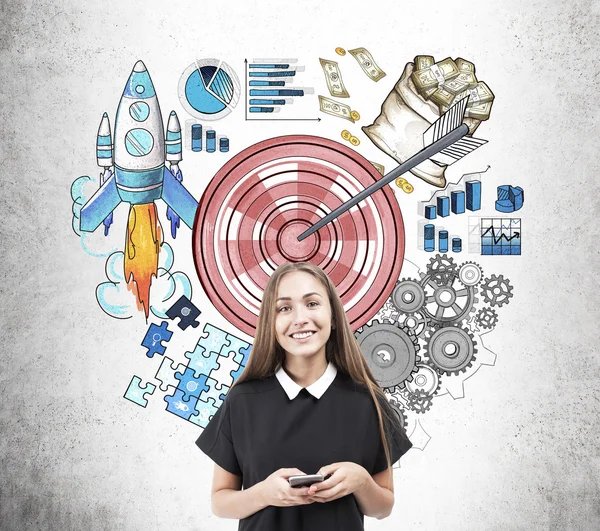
302, 315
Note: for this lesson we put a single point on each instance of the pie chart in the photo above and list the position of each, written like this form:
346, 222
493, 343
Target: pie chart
209, 89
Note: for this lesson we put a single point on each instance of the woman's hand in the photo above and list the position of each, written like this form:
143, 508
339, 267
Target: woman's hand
346, 478
276, 489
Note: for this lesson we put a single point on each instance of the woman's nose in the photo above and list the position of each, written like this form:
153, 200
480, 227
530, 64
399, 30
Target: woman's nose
300, 315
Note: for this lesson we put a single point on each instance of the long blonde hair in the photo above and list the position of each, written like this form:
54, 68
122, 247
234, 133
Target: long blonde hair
341, 349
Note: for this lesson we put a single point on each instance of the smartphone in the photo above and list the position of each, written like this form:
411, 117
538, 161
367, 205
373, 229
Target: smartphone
306, 480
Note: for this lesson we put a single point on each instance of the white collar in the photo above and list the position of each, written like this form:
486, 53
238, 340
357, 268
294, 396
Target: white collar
316, 389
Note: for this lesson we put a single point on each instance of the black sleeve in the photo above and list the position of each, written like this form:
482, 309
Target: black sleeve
398, 443
216, 440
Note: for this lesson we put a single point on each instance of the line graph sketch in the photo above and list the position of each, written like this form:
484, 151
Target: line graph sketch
495, 236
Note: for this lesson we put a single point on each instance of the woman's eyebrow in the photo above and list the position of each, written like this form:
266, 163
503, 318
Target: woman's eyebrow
304, 297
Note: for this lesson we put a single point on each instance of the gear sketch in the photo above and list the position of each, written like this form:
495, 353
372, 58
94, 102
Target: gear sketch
470, 274
417, 322
447, 300
443, 264
439, 306
496, 290
486, 318
419, 401
451, 349
388, 312
399, 410
408, 295
426, 379
390, 351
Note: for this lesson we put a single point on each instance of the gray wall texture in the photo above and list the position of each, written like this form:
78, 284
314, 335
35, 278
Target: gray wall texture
520, 451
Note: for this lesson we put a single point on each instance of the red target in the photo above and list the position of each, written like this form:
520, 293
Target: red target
252, 212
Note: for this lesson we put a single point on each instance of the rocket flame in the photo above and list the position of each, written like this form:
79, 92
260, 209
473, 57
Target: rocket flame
142, 246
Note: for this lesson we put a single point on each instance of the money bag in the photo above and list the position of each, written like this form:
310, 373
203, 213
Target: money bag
398, 130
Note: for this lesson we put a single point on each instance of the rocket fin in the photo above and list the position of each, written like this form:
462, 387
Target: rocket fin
101, 204
179, 199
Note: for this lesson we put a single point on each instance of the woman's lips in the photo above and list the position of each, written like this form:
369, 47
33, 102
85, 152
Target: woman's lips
302, 339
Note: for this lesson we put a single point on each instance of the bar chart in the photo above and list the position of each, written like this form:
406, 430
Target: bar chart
273, 89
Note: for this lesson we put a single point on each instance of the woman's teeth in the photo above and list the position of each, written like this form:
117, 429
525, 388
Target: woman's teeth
303, 335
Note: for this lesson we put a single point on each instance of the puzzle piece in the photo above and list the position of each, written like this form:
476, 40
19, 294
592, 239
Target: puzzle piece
216, 339
135, 392
186, 311
240, 347
215, 390
204, 412
219, 355
166, 373
236, 374
200, 363
154, 336
224, 374
204, 357
190, 385
178, 406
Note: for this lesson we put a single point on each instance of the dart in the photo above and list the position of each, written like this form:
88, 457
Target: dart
444, 143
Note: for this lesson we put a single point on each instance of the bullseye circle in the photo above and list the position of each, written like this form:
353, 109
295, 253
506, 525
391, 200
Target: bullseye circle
253, 210
291, 248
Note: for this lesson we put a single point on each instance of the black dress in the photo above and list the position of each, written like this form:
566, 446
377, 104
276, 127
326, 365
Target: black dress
258, 430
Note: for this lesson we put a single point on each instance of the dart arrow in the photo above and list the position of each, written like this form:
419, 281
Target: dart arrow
444, 143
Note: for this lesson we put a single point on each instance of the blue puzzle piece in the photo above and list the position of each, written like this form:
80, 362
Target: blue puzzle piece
154, 336
204, 357
218, 343
214, 390
201, 363
178, 406
135, 392
186, 311
240, 347
236, 374
204, 412
241, 350
216, 339
190, 385
166, 373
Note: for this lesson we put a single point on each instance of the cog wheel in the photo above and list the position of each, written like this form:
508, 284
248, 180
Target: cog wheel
400, 413
442, 264
426, 379
387, 312
417, 322
470, 274
419, 401
408, 295
496, 290
451, 349
487, 318
390, 351
447, 301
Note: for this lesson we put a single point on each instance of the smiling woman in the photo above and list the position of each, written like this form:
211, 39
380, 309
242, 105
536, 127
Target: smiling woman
303, 324
306, 403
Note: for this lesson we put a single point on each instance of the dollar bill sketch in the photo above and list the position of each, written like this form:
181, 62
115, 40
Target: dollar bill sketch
367, 63
333, 77
335, 108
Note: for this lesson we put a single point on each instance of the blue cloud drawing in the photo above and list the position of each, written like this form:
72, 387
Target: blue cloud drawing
119, 302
